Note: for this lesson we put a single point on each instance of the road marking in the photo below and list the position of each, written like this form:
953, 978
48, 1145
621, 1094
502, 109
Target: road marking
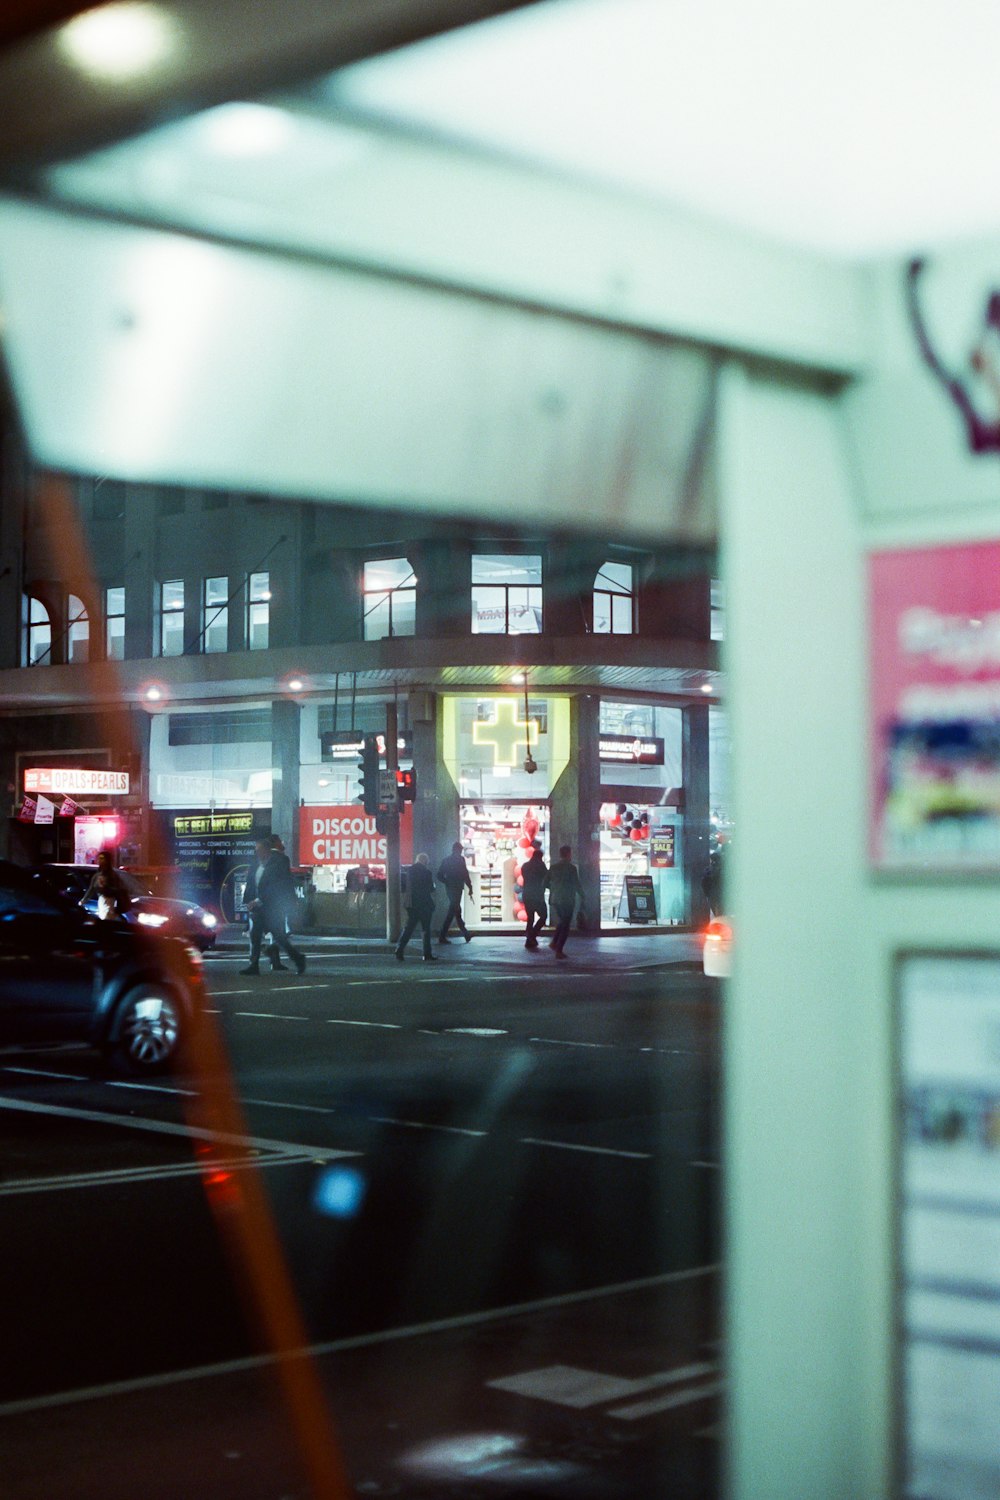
652, 1408
711, 1166
153, 1088
424, 1125
353, 983
474, 1031
124, 1176
274, 988
166, 1127
312, 1109
379, 1025
270, 1015
339, 1346
530, 1140
554, 1041
217, 993
568, 1385
45, 1073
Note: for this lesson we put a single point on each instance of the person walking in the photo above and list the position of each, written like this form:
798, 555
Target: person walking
534, 879
420, 901
269, 898
564, 892
454, 874
107, 888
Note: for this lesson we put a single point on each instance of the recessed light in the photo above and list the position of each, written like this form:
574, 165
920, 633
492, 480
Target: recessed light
295, 684
119, 42
153, 694
706, 687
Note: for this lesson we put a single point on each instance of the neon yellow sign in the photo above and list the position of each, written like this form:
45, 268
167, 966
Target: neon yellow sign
507, 732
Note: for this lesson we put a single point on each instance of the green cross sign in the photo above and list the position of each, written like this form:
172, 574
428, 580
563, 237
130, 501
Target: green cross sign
506, 732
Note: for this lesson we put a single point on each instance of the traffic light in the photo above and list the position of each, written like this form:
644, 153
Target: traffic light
406, 786
368, 773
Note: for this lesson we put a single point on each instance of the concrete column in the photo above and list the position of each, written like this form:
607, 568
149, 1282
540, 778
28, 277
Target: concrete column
570, 570
695, 837
285, 773
444, 588
576, 801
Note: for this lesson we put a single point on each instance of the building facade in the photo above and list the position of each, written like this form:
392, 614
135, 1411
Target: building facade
224, 654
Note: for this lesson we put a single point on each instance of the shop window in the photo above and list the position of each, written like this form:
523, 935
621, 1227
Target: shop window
37, 633
614, 600
215, 615
114, 624
170, 611
718, 628
389, 595
506, 594
77, 629
258, 632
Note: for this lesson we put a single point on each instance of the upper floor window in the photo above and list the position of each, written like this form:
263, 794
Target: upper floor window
77, 629
37, 632
614, 600
506, 594
389, 594
215, 615
114, 624
170, 633
258, 622
718, 629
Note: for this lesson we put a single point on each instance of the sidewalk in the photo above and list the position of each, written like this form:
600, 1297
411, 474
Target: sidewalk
630, 951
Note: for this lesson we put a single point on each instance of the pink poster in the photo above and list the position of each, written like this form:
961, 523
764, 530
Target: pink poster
935, 708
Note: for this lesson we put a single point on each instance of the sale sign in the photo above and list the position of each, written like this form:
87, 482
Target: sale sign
347, 835
935, 707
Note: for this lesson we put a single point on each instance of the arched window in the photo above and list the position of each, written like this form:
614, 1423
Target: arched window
36, 632
77, 629
614, 600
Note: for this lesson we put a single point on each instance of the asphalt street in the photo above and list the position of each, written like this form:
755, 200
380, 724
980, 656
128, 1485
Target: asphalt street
483, 1193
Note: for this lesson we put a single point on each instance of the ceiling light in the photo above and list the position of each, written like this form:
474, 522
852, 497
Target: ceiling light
706, 687
295, 684
119, 42
153, 694
246, 130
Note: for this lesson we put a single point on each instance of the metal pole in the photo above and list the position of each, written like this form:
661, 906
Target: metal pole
393, 903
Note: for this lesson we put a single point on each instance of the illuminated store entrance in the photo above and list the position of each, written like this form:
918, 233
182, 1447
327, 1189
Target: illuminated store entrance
505, 756
497, 838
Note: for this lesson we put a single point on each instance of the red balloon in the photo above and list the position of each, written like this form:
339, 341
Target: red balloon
636, 835
524, 843
520, 914
616, 821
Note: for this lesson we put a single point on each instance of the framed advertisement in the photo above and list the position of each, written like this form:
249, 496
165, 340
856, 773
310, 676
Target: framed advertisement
947, 1225
934, 653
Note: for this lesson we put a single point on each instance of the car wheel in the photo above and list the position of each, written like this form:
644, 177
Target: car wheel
149, 1029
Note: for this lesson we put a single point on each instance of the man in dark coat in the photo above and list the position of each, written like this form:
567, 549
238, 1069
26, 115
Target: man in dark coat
564, 892
534, 879
270, 898
420, 900
454, 872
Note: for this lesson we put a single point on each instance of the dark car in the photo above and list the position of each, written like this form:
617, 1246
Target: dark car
162, 914
67, 976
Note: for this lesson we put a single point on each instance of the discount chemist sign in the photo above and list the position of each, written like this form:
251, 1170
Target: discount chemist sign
346, 836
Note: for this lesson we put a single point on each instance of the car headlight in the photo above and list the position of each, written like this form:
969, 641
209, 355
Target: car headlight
207, 920
151, 919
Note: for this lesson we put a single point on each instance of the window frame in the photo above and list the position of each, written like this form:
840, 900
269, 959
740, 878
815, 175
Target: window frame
388, 596
254, 603
28, 626
612, 594
214, 615
75, 621
109, 616
162, 616
534, 592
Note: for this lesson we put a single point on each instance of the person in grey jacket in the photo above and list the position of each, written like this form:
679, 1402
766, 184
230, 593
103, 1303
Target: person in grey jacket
564, 892
454, 873
534, 879
420, 900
